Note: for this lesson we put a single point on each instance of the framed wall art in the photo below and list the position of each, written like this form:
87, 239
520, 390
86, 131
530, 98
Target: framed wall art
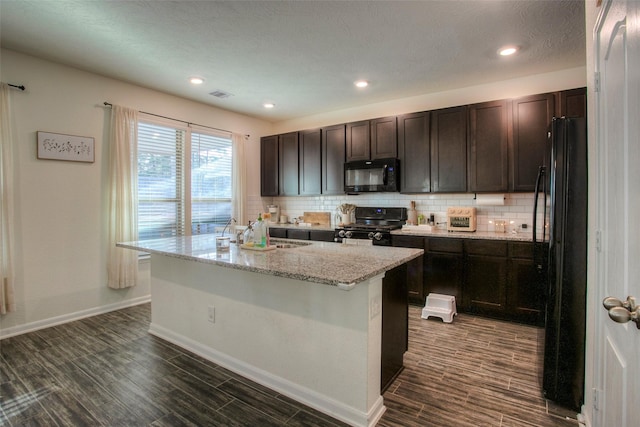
56, 146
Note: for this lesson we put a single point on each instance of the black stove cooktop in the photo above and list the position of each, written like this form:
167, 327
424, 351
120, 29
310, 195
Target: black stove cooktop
374, 224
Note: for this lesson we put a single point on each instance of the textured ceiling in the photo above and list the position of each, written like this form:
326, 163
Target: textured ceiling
302, 55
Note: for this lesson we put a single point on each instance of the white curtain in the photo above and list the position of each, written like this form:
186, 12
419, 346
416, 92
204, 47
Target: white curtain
7, 303
122, 265
238, 178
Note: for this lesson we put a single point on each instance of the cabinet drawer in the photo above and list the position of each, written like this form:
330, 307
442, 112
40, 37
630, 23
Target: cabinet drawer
407, 241
322, 235
278, 232
298, 234
521, 250
444, 245
485, 247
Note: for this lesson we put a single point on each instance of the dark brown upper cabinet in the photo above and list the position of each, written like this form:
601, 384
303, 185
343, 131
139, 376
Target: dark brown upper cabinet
573, 103
488, 146
414, 153
333, 155
449, 150
384, 138
357, 141
269, 166
372, 139
310, 149
288, 164
495, 146
531, 120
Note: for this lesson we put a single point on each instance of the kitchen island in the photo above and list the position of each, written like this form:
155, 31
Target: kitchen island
305, 320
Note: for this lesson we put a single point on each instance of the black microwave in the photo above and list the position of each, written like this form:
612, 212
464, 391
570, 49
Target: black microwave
380, 175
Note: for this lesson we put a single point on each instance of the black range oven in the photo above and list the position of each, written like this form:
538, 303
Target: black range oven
373, 224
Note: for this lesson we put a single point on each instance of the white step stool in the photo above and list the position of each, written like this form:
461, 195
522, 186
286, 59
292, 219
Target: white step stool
442, 306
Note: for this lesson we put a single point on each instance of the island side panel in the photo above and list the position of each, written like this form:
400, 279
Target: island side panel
314, 342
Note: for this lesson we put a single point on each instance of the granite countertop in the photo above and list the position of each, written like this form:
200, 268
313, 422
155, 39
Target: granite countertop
430, 232
320, 262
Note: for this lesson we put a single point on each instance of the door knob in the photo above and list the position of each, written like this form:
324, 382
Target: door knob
622, 311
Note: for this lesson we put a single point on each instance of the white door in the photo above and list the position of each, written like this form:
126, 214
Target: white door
617, 366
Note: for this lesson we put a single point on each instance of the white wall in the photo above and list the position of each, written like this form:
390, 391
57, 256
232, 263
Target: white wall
61, 207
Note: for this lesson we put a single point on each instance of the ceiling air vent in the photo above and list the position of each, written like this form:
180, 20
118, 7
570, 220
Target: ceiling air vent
221, 94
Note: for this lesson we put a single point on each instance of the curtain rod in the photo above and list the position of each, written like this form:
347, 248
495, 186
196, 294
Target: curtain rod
108, 104
21, 87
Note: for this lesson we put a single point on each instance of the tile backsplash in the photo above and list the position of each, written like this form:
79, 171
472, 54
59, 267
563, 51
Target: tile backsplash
516, 211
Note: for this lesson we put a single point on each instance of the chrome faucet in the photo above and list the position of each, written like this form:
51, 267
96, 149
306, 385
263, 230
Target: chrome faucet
227, 225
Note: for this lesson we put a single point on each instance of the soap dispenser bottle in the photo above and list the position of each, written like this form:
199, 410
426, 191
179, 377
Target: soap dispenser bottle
248, 233
259, 233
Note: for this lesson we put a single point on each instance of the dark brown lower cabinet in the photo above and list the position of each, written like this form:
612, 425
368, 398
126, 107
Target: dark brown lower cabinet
493, 278
395, 325
294, 233
280, 233
322, 235
502, 281
415, 268
526, 290
440, 270
444, 267
485, 285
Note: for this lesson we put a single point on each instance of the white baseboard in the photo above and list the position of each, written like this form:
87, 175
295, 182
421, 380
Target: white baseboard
320, 402
70, 317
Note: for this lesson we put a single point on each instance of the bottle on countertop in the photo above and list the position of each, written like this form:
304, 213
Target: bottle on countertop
259, 232
248, 233
412, 214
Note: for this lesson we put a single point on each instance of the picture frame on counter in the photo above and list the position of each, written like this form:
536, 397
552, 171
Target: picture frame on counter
57, 146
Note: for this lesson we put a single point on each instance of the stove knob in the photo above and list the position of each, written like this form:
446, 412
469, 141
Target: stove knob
370, 235
377, 236
341, 233
348, 234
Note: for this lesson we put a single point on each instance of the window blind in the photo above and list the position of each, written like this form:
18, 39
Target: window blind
160, 181
211, 162
184, 180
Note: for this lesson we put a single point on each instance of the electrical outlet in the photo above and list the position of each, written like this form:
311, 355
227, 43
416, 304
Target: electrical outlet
212, 314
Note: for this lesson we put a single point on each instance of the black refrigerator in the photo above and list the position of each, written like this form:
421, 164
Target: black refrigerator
562, 264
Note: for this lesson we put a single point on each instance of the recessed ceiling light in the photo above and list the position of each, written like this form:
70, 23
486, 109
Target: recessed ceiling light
196, 80
507, 50
361, 83
268, 105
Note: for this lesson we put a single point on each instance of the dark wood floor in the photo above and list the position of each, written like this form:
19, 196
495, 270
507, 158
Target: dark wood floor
107, 370
470, 373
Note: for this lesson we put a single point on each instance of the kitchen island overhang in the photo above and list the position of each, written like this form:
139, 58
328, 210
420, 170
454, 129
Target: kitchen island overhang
283, 318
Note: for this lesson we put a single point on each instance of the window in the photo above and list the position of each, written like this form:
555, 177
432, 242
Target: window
184, 180
210, 182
